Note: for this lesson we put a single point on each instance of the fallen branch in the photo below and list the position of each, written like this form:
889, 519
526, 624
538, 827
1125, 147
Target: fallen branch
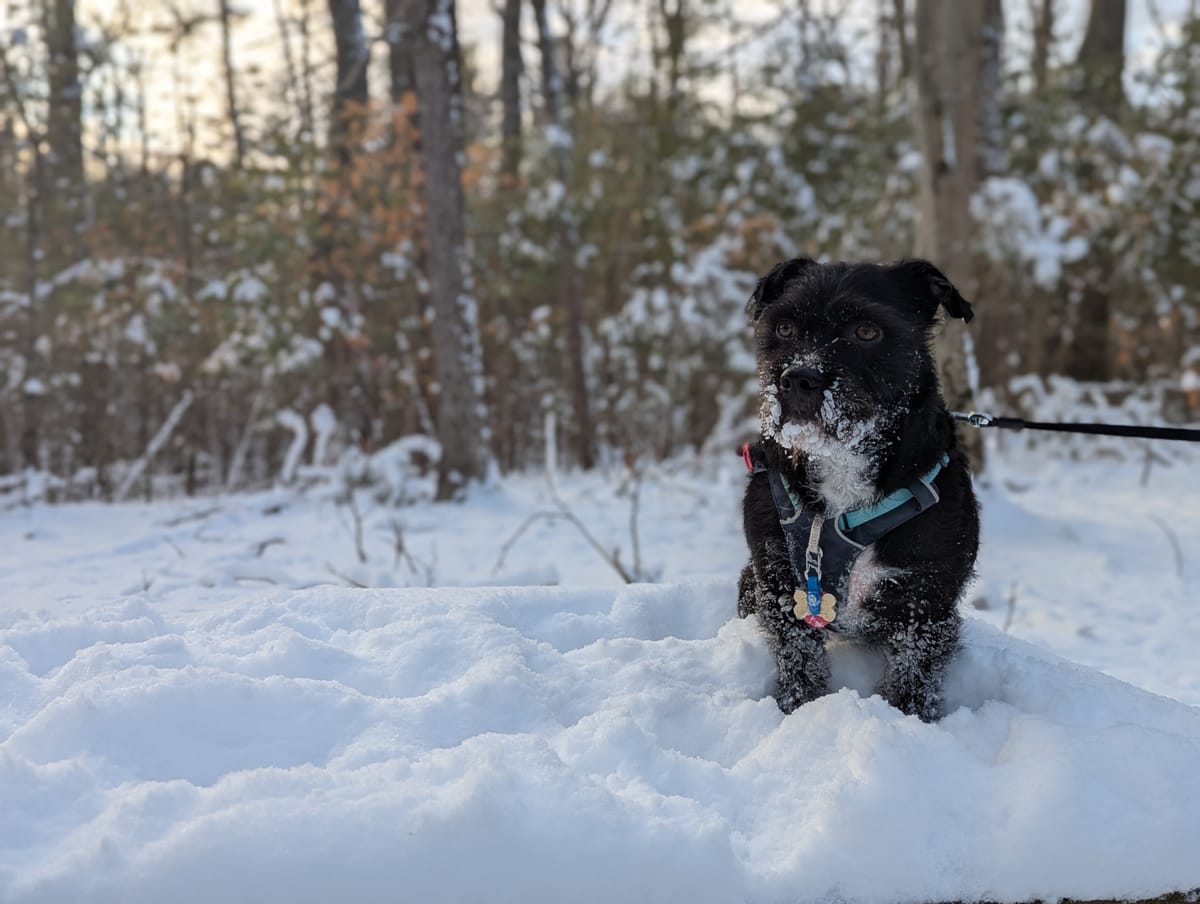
156, 443
1174, 540
564, 511
234, 478
516, 535
1013, 593
349, 580
403, 555
188, 517
263, 545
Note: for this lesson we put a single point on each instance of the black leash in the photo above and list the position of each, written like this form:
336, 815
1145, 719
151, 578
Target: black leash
977, 419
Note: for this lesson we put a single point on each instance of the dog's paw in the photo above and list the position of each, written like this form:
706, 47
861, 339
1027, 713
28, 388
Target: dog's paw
747, 593
791, 697
920, 701
803, 672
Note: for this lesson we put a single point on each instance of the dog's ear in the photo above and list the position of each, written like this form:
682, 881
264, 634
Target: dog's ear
769, 287
930, 288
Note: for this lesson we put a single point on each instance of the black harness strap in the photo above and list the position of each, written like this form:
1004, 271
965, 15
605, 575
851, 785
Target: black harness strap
842, 539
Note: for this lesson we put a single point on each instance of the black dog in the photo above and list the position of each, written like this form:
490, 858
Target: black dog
859, 514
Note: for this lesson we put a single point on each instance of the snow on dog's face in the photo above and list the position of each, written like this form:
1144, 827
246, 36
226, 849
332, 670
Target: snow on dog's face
842, 350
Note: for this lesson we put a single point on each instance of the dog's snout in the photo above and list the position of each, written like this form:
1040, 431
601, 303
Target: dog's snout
801, 379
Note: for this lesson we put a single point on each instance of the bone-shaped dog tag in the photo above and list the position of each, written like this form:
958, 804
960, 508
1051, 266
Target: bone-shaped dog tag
826, 614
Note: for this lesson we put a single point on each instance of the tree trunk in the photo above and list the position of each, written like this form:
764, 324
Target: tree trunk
461, 416
239, 140
1101, 60
570, 290
1043, 38
350, 384
406, 110
64, 133
350, 93
957, 79
400, 63
1100, 66
510, 90
900, 24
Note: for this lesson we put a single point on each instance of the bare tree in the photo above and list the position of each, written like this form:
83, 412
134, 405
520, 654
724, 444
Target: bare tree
1100, 67
461, 416
350, 92
231, 102
1043, 38
957, 54
1101, 60
584, 24
35, 192
510, 88
64, 128
569, 289
900, 26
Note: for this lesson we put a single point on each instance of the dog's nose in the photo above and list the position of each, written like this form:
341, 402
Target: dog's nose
803, 380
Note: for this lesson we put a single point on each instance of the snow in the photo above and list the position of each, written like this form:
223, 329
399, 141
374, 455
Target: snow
196, 706
1013, 223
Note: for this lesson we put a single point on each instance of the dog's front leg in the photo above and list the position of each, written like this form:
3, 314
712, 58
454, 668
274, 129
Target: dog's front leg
747, 601
799, 650
917, 656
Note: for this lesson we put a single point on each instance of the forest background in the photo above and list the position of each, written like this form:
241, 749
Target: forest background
465, 229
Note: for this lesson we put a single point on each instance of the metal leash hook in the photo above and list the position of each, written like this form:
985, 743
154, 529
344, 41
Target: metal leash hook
974, 418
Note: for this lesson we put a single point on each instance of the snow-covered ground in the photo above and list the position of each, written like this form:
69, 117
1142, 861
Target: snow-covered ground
198, 704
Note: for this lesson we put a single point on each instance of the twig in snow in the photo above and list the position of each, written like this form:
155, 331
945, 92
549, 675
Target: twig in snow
234, 478
188, 517
254, 578
156, 443
356, 522
635, 496
266, 544
1174, 540
564, 511
516, 535
1013, 593
612, 558
344, 577
403, 555
174, 546
1151, 458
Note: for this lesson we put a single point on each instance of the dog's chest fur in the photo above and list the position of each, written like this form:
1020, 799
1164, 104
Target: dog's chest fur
865, 577
845, 479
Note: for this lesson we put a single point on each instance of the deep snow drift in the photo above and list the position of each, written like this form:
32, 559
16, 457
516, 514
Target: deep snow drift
551, 745
173, 728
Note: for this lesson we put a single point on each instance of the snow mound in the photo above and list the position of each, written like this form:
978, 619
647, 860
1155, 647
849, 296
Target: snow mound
560, 745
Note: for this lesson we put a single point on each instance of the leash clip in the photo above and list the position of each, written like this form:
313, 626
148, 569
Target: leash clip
979, 419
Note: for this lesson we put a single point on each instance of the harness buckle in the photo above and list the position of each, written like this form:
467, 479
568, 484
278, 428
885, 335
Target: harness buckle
812, 561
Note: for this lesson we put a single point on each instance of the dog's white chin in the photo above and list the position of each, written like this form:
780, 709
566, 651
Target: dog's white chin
838, 452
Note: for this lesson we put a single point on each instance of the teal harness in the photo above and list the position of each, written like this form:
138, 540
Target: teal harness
823, 550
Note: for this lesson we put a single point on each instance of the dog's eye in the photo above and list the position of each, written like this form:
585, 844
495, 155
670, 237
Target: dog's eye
866, 332
785, 329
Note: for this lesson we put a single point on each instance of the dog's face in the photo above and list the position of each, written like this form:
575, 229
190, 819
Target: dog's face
843, 349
